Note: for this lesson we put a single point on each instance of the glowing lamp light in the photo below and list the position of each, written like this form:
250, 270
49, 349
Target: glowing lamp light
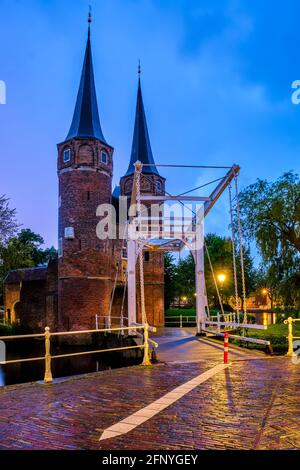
221, 277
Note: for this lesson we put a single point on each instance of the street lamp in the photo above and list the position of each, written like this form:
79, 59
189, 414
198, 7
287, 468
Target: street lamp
221, 278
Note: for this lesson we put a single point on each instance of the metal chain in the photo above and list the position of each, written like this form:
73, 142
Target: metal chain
234, 257
123, 301
214, 278
241, 249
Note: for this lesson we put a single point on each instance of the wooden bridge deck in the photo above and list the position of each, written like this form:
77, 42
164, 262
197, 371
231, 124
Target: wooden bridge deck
181, 345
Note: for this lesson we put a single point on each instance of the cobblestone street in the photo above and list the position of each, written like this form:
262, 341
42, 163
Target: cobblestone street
252, 405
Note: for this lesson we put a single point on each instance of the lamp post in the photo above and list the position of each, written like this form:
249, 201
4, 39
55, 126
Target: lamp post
267, 292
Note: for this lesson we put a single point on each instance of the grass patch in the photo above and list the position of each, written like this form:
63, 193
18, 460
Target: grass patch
276, 334
185, 312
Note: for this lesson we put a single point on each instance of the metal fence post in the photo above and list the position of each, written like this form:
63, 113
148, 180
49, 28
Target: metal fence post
226, 345
289, 321
180, 321
146, 360
218, 320
97, 325
48, 374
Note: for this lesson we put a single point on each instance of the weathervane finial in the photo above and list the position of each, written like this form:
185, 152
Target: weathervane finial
90, 15
139, 69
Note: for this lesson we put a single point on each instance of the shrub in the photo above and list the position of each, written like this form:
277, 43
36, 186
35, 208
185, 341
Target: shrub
14, 329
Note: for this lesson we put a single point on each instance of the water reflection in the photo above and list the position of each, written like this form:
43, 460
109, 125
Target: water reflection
63, 367
2, 377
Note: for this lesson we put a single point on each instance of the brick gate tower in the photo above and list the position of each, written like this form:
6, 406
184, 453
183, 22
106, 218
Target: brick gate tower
152, 183
85, 165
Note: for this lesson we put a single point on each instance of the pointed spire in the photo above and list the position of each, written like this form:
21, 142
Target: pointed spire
86, 122
141, 147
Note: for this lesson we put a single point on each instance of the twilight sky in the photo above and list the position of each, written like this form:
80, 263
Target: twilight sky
216, 79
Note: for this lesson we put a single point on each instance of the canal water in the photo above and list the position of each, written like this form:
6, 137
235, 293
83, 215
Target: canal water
63, 367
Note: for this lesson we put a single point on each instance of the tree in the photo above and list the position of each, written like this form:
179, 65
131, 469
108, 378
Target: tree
220, 252
24, 251
270, 215
170, 275
185, 279
8, 222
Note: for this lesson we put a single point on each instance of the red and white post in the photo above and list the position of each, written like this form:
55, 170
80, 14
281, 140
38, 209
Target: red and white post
226, 348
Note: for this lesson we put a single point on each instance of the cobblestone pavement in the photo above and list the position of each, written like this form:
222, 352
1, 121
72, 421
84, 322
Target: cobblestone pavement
254, 404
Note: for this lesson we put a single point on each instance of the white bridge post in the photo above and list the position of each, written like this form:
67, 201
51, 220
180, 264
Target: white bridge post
199, 277
131, 279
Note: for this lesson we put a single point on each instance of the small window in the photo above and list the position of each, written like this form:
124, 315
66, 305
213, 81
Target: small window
69, 233
67, 155
158, 185
124, 253
146, 256
104, 157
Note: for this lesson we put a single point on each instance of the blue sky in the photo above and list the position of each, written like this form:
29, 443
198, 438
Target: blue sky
216, 78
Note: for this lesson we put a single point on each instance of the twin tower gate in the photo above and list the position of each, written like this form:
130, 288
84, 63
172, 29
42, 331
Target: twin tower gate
167, 223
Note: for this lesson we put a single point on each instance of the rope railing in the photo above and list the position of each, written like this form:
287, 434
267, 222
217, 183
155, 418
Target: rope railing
47, 357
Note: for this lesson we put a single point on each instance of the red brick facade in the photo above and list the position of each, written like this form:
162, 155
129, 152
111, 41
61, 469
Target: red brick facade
85, 262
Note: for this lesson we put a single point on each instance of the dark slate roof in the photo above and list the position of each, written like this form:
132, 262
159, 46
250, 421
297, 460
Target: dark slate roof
116, 192
26, 274
141, 147
86, 122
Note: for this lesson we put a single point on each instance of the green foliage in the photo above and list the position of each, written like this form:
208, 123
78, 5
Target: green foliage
277, 335
182, 281
185, 279
170, 275
15, 329
271, 216
174, 312
24, 251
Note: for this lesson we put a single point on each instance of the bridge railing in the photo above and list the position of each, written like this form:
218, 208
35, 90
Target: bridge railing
48, 357
290, 322
110, 320
179, 320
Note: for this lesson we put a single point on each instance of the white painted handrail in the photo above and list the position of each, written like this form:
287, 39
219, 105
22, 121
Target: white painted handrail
47, 337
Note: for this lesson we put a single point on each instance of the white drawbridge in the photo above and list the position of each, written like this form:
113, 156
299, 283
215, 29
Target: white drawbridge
153, 227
